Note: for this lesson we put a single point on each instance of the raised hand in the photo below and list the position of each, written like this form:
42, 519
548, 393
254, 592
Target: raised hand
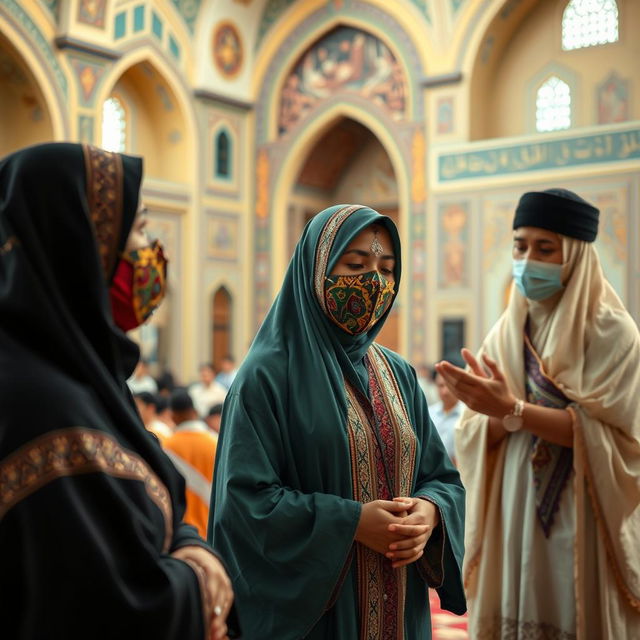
484, 391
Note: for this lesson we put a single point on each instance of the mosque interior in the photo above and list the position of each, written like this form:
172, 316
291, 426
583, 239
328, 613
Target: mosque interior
254, 115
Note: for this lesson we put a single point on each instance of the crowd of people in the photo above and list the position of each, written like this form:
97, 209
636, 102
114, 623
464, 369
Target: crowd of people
186, 421
321, 489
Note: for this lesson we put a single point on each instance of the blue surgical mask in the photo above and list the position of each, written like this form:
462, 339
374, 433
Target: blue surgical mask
537, 280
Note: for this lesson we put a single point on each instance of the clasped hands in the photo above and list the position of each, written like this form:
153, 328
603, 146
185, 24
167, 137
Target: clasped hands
218, 591
399, 529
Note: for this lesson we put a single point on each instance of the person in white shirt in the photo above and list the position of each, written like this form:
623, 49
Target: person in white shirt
147, 405
141, 380
425, 380
445, 414
227, 372
207, 392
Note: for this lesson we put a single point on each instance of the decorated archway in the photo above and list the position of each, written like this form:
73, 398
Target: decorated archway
348, 82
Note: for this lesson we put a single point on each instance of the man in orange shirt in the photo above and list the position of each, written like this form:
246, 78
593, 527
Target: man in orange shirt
192, 449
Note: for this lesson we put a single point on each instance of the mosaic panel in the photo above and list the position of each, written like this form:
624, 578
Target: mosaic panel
222, 237
453, 245
92, 12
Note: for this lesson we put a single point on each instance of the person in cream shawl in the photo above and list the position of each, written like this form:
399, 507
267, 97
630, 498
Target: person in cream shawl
549, 447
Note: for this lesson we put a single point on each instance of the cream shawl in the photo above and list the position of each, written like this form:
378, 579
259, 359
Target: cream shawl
590, 347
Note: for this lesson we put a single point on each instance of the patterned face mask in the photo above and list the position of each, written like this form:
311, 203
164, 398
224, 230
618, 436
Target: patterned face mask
138, 286
356, 303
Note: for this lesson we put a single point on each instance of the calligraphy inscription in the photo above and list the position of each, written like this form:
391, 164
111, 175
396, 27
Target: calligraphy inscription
551, 154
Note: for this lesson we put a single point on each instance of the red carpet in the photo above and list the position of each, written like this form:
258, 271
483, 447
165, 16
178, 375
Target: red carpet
446, 625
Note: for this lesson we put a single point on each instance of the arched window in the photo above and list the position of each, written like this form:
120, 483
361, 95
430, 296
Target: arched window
586, 23
553, 105
114, 125
222, 322
223, 155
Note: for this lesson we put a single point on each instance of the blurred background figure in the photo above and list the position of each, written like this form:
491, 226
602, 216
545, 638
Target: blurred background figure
425, 380
148, 406
141, 379
192, 449
166, 383
445, 414
163, 412
208, 391
227, 372
214, 418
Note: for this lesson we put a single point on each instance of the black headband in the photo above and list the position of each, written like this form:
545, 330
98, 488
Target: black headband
558, 210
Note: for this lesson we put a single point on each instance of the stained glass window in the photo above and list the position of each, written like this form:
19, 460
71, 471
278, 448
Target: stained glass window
114, 125
553, 105
586, 23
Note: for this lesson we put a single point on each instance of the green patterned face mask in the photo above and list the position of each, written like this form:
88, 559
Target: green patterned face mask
356, 303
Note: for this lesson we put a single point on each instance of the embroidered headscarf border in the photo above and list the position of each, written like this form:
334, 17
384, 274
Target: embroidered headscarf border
104, 174
323, 250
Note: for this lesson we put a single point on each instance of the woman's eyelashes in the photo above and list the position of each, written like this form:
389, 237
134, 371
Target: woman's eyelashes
360, 267
545, 251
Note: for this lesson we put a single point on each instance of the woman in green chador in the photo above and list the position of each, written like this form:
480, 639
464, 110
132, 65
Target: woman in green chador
335, 505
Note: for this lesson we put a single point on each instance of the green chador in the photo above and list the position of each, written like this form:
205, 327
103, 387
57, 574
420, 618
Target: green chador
317, 423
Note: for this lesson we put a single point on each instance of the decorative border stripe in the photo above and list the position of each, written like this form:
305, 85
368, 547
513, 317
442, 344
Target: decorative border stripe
499, 627
362, 446
325, 244
406, 453
74, 451
104, 175
632, 599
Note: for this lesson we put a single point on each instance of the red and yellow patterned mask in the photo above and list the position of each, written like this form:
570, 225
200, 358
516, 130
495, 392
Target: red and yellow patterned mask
356, 303
138, 286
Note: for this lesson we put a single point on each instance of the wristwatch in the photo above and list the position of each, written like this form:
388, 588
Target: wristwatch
513, 421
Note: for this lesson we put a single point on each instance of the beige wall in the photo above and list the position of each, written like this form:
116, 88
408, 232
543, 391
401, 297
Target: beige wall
24, 115
534, 51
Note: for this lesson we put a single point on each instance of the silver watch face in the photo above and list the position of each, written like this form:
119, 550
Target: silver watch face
512, 423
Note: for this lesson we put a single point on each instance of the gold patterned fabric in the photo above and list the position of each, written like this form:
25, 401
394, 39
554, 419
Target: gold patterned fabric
104, 198
70, 452
356, 303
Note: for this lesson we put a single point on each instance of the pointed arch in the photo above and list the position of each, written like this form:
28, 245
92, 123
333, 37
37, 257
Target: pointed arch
34, 51
150, 84
221, 325
25, 100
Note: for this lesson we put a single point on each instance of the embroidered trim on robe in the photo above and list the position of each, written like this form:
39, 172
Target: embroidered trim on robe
551, 463
381, 589
69, 452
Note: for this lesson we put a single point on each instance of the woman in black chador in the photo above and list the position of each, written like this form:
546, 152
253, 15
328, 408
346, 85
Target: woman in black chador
92, 543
